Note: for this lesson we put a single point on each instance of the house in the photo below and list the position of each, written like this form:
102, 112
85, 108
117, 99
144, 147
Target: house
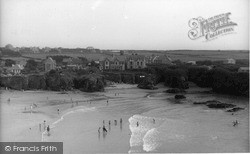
123, 62
229, 61
135, 61
243, 69
163, 59
21, 62
113, 63
50, 64
16, 69
74, 63
191, 62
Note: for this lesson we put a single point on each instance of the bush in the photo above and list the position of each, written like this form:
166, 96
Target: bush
18, 82
56, 81
90, 83
36, 82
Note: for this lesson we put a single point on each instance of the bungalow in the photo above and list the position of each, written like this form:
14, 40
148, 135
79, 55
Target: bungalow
16, 69
243, 69
191, 62
229, 61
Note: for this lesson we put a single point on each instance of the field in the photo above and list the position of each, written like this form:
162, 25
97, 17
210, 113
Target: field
89, 56
191, 55
183, 55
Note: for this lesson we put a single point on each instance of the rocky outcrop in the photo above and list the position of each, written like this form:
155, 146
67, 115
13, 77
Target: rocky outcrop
199, 103
219, 105
179, 96
215, 104
235, 109
175, 90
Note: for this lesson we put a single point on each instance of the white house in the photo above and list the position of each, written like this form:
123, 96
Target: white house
16, 69
230, 61
191, 62
243, 69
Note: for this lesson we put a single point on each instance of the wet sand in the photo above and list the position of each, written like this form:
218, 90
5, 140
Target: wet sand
194, 128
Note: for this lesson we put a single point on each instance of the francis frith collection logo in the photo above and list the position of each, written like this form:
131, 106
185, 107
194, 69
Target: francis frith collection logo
211, 28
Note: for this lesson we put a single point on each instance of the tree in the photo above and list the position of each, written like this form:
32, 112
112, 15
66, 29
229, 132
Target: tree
9, 62
30, 66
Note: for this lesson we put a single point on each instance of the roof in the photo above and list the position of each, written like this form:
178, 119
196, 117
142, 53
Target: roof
50, 60
244, 68
16, 67
136, 57
76, 61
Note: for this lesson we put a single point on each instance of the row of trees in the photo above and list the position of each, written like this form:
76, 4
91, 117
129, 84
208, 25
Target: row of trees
221, 79
56, 81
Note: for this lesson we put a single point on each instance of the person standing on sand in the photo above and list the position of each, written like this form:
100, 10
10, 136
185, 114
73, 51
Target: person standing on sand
58, 111
121, 120
48, 129
137, 123
104, 129
40, 127
154, 121
115, 122
99, 130
44, 124
31, 108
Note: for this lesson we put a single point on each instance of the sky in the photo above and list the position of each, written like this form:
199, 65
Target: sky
119, 24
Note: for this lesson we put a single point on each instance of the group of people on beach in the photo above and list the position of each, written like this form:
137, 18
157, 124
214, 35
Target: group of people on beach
45, 127
104, 130
235, 123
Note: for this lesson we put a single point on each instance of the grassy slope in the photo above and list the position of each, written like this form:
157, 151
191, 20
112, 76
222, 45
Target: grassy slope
183, 55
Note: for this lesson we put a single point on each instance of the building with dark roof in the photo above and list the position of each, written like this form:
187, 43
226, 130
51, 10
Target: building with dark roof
123, 62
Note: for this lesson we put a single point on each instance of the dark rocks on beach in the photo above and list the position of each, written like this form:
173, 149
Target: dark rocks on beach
218, 104
175, 90
151, 87
179, 97
215, 104
235, 109
199, 103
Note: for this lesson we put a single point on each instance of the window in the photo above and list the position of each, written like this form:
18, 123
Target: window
106, 62
141, 63
137, 63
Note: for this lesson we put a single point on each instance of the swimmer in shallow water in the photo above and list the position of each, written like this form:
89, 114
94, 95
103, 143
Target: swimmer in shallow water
104, 129
137, 123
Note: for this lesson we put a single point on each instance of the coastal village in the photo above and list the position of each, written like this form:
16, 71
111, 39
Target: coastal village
13, 61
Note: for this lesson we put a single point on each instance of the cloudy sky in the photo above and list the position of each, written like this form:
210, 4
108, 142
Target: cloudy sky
118, 24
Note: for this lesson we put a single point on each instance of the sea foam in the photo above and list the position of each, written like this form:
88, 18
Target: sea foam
145, 135
53, 125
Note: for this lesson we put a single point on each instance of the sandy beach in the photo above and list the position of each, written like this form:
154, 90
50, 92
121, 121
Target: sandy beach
81, 114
